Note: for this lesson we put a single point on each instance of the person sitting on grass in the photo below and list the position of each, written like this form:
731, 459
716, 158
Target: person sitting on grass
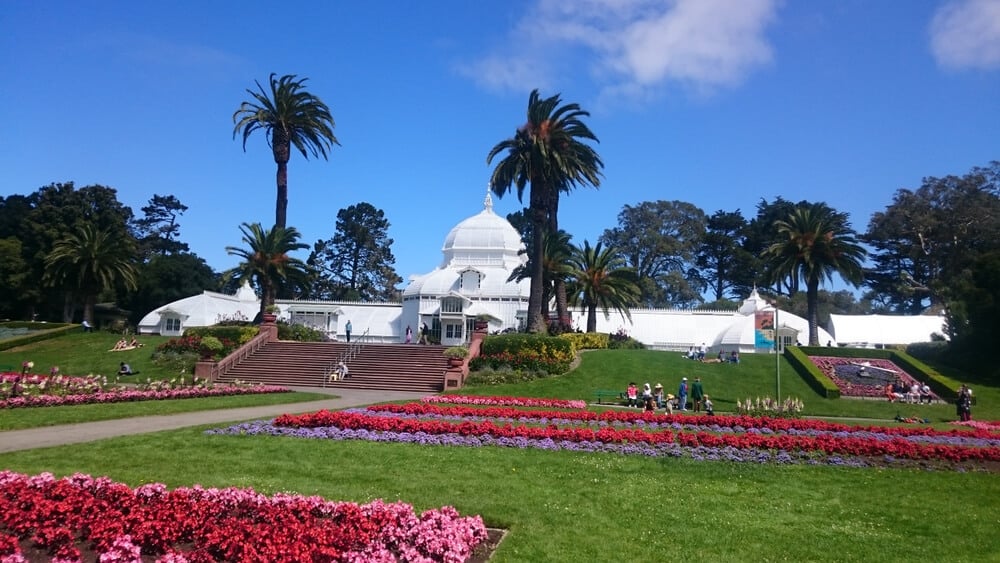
120, 345
709, 407
125, 369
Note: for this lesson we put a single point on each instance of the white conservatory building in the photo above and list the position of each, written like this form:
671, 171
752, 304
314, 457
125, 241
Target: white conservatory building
478, 257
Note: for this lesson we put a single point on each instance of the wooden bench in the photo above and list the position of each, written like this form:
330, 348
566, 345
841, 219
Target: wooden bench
602, 394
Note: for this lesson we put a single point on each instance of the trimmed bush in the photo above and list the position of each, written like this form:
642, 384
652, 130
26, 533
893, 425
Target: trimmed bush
300, 333
45, 332
586, 340
799, 359
531, 352
846, 352
941, 385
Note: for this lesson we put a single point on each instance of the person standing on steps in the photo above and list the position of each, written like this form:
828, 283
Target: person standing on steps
409, 334
347, 330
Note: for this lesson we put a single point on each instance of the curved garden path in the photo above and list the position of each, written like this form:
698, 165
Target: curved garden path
14, 440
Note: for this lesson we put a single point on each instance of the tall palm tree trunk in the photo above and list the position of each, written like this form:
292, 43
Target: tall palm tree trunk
282, 151
536, 322
562, 308
812, 310
592, 317
68, 306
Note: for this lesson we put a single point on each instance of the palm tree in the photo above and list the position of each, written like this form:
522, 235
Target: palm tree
266, 261
601, 279
547, 153
290, 116
557, 267
88, 262
816, 243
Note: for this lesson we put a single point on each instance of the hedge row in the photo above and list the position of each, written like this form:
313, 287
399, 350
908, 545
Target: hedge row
799, 358
941, 385
45, 332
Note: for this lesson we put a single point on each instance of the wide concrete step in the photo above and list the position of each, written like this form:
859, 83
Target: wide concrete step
397, 367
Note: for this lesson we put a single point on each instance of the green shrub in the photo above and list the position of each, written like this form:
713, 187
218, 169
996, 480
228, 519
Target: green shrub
620, 340
179, 362
928, 351
300, 333
532, 352
586, 340
460, 352
45, 331
799, 359
941, 385
490, 376
846, 352
233, 333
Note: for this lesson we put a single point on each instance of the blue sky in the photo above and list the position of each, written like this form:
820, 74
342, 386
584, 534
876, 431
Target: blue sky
716, 102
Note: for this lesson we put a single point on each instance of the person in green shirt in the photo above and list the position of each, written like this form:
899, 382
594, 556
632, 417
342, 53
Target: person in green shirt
697, 394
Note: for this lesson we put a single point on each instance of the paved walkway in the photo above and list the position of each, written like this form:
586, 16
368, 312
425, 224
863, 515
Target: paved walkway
14, 440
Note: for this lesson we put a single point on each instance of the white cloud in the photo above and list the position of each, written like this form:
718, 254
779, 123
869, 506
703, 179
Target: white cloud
632, 47
966, 34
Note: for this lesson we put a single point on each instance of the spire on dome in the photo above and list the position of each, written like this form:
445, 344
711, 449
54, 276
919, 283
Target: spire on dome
488, 202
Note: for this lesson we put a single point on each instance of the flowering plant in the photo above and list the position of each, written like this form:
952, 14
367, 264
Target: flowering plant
54, 517
504, 401
733, 438
790, 407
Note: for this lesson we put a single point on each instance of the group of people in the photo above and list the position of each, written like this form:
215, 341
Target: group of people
424, 337
916, 393
124, 344
720, 358
653, 398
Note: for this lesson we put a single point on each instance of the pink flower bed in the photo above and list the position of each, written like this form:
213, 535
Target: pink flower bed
505, 401
127, 395
69, 518
828, 365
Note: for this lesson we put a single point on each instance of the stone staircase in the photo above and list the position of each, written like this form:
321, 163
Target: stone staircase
397, 367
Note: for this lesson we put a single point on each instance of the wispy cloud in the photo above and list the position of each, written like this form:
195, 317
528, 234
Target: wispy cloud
160, 52
632, 47
966, 34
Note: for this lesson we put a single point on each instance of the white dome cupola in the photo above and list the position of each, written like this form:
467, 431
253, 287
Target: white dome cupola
485, 239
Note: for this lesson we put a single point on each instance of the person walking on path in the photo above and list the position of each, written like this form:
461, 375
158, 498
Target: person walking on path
409, 334
697, 394
682, 394
347, 330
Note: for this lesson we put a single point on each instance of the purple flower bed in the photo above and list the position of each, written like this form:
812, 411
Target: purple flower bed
861, 377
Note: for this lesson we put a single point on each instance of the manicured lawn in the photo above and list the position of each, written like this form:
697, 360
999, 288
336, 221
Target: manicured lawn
85, 353
17, 419
568, 506
571, 506
725, 383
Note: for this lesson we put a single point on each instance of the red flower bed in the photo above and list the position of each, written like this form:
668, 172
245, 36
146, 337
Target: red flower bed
630, 417
871, 386
827, 443
62, 517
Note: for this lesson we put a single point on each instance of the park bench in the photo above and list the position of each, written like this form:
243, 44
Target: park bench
603, 394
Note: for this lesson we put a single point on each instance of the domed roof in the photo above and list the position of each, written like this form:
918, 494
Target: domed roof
483, 239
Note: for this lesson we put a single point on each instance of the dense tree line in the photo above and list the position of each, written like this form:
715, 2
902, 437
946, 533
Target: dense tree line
66, 252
